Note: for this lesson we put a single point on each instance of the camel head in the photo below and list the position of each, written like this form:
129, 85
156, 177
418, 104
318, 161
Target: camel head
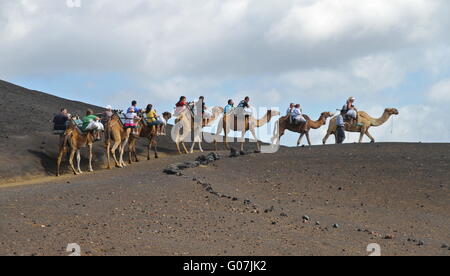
167, 116
326, 115
217, 110
273, 113
391, 111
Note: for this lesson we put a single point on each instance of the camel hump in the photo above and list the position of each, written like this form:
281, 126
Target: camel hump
307, 118
364, 114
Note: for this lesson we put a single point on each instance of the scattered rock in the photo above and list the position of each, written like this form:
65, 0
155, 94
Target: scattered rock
421, 243
317, 223
234, 153
389, 237
305, 217
444, 246
336, 226
283, 215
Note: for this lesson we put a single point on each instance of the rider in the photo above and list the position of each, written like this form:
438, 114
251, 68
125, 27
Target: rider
152, 118
297, 115
201, 105
130, 119
92, 123
289, 112
229, 107
245, 107
350, 111
137, 110
290, 109
181, 105
60, 122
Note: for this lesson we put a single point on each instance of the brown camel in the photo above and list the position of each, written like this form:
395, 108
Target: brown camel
145, 131
230, 122
75, 140
284, 123
366, 122
116, 135
184, 126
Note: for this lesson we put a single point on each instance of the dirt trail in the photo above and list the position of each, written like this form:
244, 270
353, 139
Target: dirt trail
396, 195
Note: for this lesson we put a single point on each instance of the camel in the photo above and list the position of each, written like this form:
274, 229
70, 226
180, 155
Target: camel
75, 140
118, 136
366, 121
145, 131
284, 123
185, 122
249, 124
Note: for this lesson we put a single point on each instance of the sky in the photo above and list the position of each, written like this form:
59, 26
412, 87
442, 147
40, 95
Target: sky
386, 53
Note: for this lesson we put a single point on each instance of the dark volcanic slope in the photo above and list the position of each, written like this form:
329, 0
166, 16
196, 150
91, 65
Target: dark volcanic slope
396, 195
28, 148
32, 110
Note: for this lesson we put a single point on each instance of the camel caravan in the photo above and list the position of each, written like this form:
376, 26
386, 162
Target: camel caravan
120, 131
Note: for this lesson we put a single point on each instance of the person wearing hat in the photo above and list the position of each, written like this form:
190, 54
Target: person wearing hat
350, 111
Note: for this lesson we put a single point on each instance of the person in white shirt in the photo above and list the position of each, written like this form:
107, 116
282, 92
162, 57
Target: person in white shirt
297, 115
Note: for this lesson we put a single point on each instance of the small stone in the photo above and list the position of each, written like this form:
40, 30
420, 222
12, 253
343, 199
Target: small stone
421, 243
444, 246
317, 223
389, 237
305, 217
336, 226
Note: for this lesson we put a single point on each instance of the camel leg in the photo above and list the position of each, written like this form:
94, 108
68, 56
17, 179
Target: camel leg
226, 133
178, 147
155, 146
149, 148
130, 152
300, 139
108, 155
72, 155
62, 150
309, 140
372, 140
122, 151
133, 151
200, 146
136, 158
113, 151
79, 161
90, 158
258, 146
184, 147
361, 136
324, 141
243, 139
192, 147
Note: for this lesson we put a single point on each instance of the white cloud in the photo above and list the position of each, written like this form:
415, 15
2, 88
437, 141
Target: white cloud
379, 71
440, 92
315, 52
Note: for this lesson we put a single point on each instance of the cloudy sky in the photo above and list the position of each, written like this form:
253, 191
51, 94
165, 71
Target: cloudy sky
387, 53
